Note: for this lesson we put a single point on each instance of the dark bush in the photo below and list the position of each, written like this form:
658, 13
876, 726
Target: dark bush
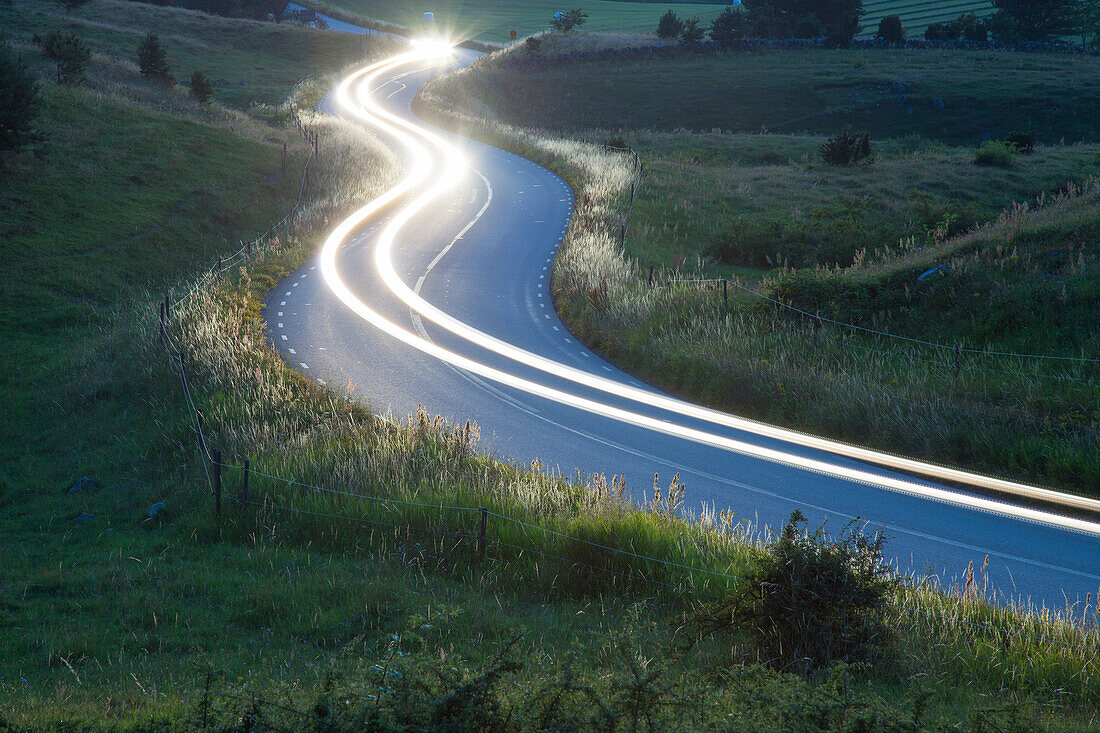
941, 32
201, 88
570, 20
971, 28
1022, 141
811, 601
847, 148
692, 33
153, 60
21, 101
890, 29
995, 153
730, 26
669, 26
533, 44
808, 26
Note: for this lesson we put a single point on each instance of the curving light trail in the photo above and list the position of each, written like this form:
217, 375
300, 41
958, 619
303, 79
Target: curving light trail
424, 147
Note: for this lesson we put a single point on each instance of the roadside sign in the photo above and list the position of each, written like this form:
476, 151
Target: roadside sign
512, 34
428, 17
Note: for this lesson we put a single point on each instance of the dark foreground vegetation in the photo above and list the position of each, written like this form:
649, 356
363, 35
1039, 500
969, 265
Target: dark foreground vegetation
129, 606
947, 219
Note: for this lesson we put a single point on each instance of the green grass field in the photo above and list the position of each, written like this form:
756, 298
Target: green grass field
491, 20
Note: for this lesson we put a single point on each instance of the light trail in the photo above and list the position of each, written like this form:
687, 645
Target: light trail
422, 166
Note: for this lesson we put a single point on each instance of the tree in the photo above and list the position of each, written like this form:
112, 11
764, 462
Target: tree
670, 25
890, 29
153, 60
69, 51
569, 20
692, 33
201, 88
972, 28
20, 103
837, 20
1031, 20
941, 32
729, 26
1085, 21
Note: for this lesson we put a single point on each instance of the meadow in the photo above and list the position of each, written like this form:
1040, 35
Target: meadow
916, 16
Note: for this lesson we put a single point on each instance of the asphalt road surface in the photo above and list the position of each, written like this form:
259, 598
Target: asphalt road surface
482, 253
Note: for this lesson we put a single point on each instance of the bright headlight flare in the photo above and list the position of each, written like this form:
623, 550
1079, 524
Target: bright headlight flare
433, 46
405, 133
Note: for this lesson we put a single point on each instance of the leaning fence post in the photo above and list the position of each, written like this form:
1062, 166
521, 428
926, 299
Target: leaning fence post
481, 535
725, 295
217, 482
166, 307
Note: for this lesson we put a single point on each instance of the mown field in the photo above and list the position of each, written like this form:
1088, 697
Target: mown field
916, 15
849, 244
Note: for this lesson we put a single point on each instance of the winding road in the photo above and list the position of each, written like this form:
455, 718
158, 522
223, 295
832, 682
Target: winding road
439, 294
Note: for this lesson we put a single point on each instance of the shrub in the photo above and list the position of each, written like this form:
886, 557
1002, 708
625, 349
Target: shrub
811, 602
569, 20
201, 88
941, 32
890, 29
669, 26
808, 26
971, 28
20, 103
68, 50
153, 60
692, 33
1021, 141
847, 148
995, 153
533, 44
729, 26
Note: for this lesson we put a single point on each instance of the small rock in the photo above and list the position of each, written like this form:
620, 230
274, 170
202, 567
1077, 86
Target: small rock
83, 484
157, 509
85, 517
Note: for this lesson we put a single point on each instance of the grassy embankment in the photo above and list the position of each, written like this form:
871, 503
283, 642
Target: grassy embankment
115, 622
717, 201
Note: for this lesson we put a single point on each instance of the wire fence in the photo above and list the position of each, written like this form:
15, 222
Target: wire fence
485, 543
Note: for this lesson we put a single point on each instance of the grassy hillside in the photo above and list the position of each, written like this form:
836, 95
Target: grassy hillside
951, 96
716, 203
249, 61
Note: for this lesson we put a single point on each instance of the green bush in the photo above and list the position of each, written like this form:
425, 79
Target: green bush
670, 25
890, 29
68, 50
569, 20
811, 601
971, 28
201, 88
995, 153
847, 148
941, 32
